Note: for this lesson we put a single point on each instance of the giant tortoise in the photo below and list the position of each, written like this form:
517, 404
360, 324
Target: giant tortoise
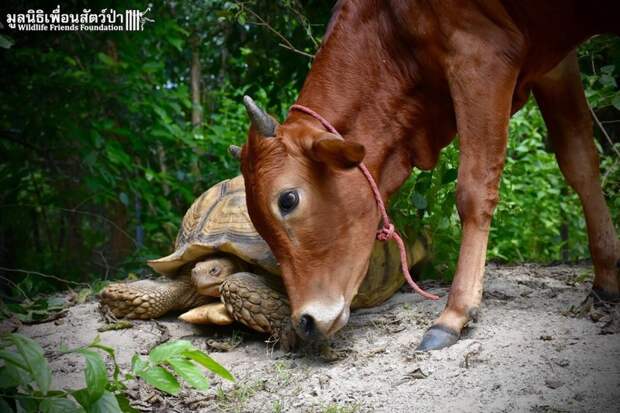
222, 271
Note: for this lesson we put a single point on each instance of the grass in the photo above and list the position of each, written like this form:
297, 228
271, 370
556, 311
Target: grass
234, 400
340, 408
277, 406
283, 373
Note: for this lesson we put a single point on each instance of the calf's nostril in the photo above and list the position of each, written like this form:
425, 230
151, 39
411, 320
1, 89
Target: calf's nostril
306, 325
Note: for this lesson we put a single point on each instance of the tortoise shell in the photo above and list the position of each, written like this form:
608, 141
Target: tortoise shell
218, 222
384, 276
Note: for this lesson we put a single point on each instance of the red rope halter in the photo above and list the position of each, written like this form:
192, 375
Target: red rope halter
388, 231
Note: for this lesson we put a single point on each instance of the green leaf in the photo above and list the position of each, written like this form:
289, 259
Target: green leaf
14, 359
97, 344
607, 80
177, 43
190, 372
138, 364
123, 403
607, 69
105, 59
13, 376
6, 42
123, 198
27, 404
423, 182
161, 379
95, 373
5, 407
152, 67
616, 101
169, 349
82, 397
419, 200
58, 405
116, 154
449, 176
149, 174
32, 354
107, 403
203, 359
163, 115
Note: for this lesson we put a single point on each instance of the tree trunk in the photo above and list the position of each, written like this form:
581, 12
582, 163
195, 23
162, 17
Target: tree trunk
224, 53
195, 83
564, 236
120, 244
161, 156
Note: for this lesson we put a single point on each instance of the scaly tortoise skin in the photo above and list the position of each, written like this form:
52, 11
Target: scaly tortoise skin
222, 271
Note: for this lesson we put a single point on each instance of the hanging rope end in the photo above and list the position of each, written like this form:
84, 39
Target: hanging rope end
431, 296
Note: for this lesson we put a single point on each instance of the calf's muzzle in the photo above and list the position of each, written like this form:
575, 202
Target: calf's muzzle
320, 319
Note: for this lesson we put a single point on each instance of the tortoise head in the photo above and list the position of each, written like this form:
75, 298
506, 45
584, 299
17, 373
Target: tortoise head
307, 199
210, 273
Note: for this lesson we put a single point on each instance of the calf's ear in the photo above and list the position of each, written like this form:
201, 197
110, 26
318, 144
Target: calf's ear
336, 152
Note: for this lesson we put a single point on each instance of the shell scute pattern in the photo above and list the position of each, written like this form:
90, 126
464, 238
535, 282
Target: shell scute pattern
218, 221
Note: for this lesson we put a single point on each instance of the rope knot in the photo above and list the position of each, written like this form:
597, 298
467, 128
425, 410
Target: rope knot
386, 233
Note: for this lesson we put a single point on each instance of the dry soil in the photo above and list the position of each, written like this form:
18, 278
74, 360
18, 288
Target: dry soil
528, 352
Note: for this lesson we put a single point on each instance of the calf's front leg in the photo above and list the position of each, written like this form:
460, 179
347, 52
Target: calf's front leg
482, 105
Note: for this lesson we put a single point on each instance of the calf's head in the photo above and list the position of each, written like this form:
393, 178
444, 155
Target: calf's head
312, 205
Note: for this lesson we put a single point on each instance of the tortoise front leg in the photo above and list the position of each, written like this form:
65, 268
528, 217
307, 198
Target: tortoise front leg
260, 304
212, 313
148, 299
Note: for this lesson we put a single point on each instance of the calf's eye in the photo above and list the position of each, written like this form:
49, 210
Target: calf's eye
287, 201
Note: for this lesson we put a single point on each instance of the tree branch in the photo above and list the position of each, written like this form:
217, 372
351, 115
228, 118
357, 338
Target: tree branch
40, 274
285, 42
602, 128
77, 211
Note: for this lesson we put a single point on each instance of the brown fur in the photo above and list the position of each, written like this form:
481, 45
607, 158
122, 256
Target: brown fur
402, 78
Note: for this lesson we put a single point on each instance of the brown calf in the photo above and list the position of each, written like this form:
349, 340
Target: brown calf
398, 80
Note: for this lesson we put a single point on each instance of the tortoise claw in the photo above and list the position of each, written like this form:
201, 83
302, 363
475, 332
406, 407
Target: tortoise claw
438, 337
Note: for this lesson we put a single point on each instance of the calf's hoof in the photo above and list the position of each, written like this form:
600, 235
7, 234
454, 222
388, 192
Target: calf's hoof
601, 296
438, 337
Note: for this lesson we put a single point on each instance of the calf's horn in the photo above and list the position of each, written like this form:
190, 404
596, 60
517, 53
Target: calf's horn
264, 124
235, 151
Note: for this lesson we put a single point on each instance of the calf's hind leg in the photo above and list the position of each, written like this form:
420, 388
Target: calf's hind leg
564, 107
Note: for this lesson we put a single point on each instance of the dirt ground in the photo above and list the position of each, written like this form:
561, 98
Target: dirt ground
526, 353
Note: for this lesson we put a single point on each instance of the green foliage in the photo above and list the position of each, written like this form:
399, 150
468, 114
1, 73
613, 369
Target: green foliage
426, 204
27, 361
99, 158
183, 359
536, 204
26, 378
33, 310
104, 159
600, 59
535, 200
